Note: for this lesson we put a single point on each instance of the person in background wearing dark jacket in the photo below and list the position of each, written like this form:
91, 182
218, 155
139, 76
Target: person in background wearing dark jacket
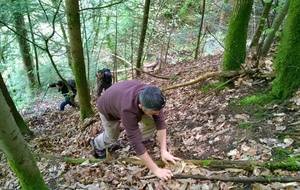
137, 108
69, 95
104, 81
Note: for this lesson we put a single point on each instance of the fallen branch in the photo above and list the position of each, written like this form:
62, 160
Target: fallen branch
242, 179
153, 75
291, 164
203, 77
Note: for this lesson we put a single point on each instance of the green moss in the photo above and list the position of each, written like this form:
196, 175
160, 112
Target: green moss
213, 86
206, 162
245, 125
260, 99
281, 153
291, 164
287, 62
235, 42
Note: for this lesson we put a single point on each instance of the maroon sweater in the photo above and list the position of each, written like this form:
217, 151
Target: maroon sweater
120, 102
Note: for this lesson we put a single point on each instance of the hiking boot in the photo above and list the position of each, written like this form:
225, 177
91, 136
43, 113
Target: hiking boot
97, 153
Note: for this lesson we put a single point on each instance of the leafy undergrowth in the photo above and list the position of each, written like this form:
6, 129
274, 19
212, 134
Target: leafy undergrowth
202, 124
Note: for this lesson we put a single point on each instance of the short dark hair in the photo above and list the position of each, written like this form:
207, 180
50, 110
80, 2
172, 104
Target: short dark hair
152, 98
60, 83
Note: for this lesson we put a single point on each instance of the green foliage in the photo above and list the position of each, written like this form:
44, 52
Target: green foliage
235, 42
188, 10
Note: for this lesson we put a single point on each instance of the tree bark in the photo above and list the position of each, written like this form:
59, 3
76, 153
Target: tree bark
73, 18
24, 47
142, 36
287, 63
261, 24
34, 49
17, 152
200, 30
18, 118
235, 42
275, 26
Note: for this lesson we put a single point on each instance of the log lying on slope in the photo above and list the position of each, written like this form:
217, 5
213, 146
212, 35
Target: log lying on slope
204, 77
291, 164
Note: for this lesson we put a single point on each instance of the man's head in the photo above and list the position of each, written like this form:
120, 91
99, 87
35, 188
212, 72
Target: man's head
151, 100
60, 84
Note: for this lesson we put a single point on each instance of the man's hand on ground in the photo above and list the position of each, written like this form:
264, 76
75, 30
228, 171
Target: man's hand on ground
166, 156
163, 174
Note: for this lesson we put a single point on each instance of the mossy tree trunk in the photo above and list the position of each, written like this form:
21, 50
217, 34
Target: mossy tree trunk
261, 24
18, 118
287, 63
73, 18
275, 26
235, 42
17, 152
143, 36
24, 47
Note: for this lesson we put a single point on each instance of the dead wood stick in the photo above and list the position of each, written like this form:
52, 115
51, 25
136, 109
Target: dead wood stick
291, 164
153, 75
202, 78
242, 179
238, 179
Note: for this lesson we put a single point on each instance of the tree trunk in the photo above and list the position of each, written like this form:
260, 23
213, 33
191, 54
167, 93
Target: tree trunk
261, 24
200, 30
16, 150
34, 49
275, 26
235, 42
143, 35
24, 47
116, 47
73, 18
86, 47
65, 37
18, 118
287, 63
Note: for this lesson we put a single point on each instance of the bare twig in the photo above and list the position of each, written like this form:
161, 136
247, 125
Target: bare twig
104, 6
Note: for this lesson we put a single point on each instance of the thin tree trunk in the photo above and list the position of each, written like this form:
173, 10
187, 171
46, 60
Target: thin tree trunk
18, 118
86, 47
261, 24
73, 18
200, 30
65, 37
34, 49
235, 42
24, 47
143, 35
131, 52
116, 47
67, 44
275, 26
168, 47
16, 150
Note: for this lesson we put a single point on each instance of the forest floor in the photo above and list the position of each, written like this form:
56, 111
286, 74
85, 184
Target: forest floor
203, 123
